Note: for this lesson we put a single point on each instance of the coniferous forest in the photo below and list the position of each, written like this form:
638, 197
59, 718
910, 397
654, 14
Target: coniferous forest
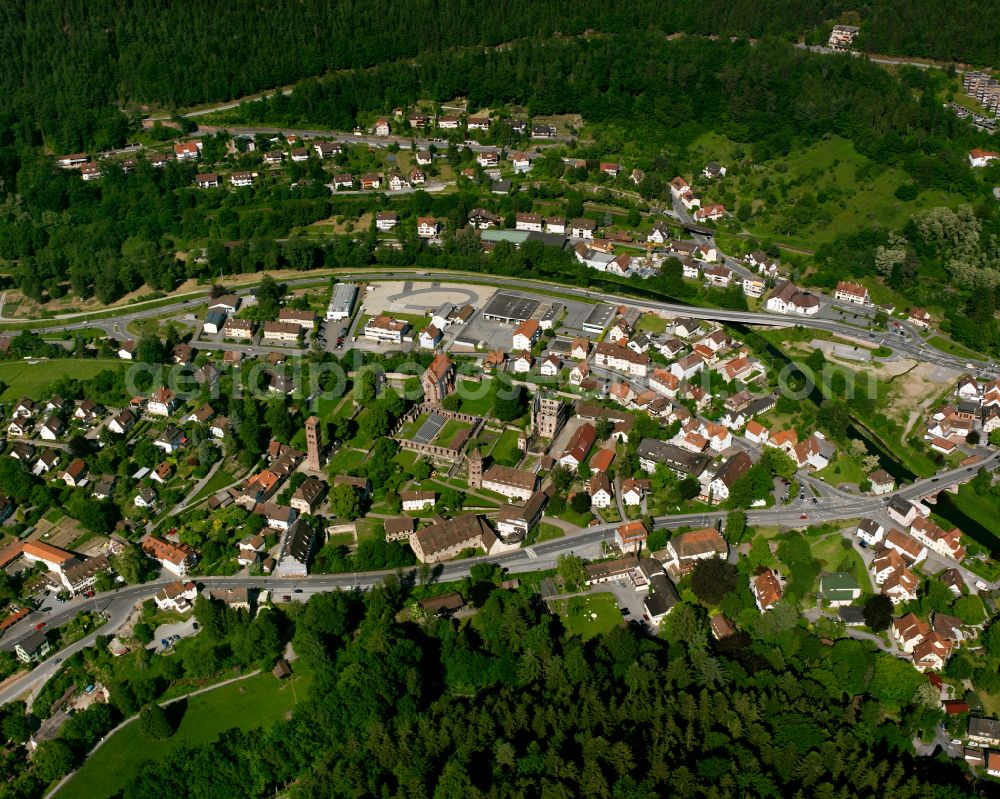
69, 68
509, 705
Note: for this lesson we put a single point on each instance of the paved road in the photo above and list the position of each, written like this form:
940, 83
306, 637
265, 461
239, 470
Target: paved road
117, 606
906, 345
587, 542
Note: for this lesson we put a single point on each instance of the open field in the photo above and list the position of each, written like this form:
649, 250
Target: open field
258, 701
588, 615
30, 378
815, 193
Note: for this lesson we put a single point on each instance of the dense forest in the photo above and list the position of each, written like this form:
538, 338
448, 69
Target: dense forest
510, 705
68, 68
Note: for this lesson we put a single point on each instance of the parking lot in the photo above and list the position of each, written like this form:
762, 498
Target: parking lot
165, 632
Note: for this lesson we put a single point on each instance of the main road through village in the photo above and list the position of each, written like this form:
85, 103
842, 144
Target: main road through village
908, 343
117, 605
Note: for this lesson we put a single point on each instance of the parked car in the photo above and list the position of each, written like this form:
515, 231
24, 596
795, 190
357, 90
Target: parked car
39, 625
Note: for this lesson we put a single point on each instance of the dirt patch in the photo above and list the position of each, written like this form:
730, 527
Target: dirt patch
915, 386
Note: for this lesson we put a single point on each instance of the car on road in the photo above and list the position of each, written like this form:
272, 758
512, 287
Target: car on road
57, 660
39, 625
803, 516
625, 611
46, 610
815, 500
297, 591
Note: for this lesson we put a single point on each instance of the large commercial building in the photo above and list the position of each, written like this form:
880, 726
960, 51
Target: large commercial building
341, 302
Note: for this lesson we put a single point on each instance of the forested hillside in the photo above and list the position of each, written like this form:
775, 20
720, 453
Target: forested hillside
510, 705
108, 239
68, 67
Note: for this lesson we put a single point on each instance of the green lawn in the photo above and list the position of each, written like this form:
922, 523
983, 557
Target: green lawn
844, 469
579, 519
27, 379
410, 429
506, 450
258, 701
345, 459
477, 398
547, 532
651, 323
218, 481
946, 345
590, 614
983, 509
449, 430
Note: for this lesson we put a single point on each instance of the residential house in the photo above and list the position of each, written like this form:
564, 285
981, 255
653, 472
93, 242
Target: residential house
839, 588
901, 511
731, 471
912, 550
308, 495
881, 482
33, 647
582, 228
599, 489
170, 440
75, 474
122, 423
686, 549
631, 536
908, 631
526, 334
766, 590
177, 596
622, 359
579, 373
980, 158
522, 361
710, 213
579, 446
175, 558
687, 367
145, 498
713, 170
294, 550
427, 227
162, 402
870, 532
852, 292
756, 432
